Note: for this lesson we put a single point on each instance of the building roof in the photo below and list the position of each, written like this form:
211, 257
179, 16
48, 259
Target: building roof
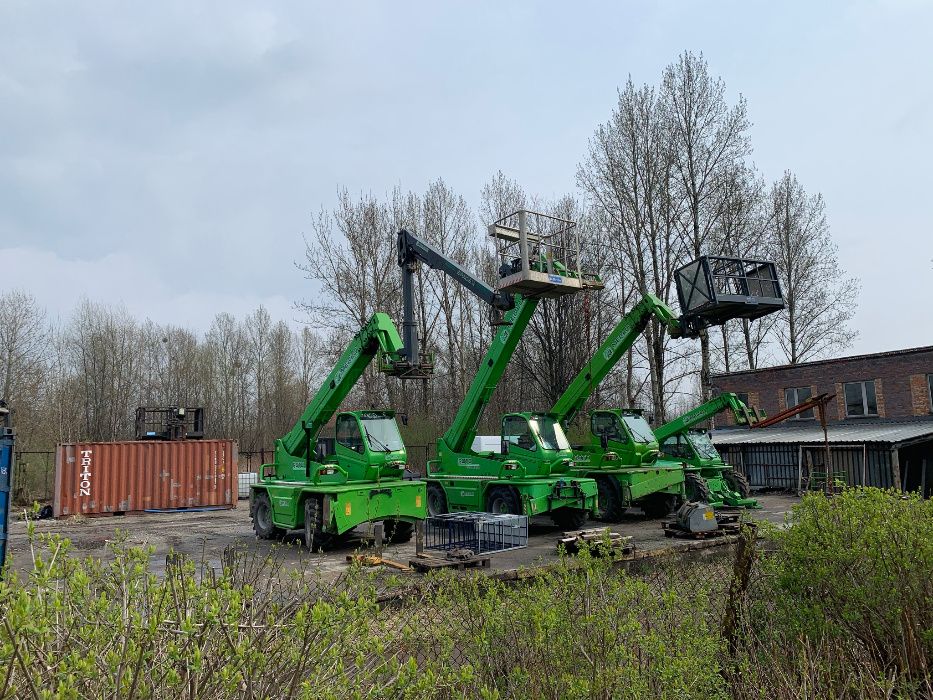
830, 361
895, 433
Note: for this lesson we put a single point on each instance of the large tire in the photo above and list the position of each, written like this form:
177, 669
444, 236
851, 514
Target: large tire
397, 531
261, 514
569, 518
738, 483
658, 505
316, 539
697, 489
437, 499
610, 500
502, 499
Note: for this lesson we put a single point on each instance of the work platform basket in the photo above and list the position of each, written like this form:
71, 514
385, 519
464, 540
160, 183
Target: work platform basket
479, 533
715, 289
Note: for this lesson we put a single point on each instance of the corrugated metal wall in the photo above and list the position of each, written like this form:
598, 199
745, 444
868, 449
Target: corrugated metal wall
778, 465
121, 477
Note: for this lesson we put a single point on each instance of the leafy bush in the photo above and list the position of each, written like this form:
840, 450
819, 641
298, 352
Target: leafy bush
844, 605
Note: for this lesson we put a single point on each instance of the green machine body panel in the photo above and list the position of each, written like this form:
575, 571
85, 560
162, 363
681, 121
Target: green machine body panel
539, 477
361, 480
679, 441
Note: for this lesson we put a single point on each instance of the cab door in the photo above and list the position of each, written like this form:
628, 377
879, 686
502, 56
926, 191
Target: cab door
352, 453
517, 435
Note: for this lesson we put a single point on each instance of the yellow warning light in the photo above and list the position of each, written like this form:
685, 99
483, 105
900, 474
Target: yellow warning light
418, 501
346, 508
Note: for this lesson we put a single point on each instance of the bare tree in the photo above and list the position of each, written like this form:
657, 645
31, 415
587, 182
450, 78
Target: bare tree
820, 299
707, 137
628, 176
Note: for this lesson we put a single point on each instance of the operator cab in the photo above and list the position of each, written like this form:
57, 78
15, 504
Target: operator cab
694, 444
368, 443
626, 431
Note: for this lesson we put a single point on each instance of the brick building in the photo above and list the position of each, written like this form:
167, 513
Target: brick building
880, 421
892, 385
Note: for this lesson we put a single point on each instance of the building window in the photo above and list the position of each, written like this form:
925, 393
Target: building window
860, 399
797, 395
930, 387
743, 397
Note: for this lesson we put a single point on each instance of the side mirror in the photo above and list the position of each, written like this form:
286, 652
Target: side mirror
505, 447
603, 440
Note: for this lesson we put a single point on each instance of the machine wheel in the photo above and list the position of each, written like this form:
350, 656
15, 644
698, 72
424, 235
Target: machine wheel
610, 505
261, 514
697, 489
658, 505
569, 518
437, 499
738, 483
397, 531
316, 539
502, 499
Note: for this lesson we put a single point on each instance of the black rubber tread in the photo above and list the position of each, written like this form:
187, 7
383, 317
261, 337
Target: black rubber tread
503, 499
697, 489
738, 483
658, 505
316, 540
436, 492
397, 531
610, 500
261, 515
569, 518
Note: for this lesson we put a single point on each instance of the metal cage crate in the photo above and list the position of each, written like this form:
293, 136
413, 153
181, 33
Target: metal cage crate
715, 289
480, 533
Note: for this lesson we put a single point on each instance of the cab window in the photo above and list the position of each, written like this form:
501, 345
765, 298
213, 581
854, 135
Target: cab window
348, 433
608, 424
516, 432
677, 446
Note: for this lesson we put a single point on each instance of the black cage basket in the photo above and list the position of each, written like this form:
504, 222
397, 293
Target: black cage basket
479, 533
715, 289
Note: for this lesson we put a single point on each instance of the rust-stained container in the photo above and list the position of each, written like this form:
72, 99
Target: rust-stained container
96, 478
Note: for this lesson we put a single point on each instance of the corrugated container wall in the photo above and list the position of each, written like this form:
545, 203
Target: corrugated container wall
120, 477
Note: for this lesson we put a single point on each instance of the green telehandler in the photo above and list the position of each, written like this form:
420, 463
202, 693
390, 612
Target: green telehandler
623, 453
514, 479
709, 479
330, 493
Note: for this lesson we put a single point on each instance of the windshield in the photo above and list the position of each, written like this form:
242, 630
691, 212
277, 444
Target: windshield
703, 446
550, 434
382, 433
641, 431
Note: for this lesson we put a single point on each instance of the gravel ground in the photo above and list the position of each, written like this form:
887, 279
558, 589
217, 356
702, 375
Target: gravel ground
205, 535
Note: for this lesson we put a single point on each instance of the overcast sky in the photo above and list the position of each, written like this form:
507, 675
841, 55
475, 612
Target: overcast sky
169, 155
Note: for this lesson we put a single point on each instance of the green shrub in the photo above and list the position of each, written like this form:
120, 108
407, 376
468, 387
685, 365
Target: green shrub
843, 606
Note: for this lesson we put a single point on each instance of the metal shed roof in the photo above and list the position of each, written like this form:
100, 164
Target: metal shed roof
842, 433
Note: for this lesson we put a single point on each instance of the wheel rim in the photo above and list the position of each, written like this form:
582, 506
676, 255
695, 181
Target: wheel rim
435, 502
499, 505
262, 516
604, 496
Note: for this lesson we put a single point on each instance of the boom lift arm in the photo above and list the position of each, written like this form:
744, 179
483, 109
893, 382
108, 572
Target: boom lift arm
411, 250
378, 337
711, 291
743, 415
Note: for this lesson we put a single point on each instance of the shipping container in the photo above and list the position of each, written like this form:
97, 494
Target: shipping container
98, 478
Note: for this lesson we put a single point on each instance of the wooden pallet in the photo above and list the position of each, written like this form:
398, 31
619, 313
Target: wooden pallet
674, 530
597, 538
376, 560
425, 563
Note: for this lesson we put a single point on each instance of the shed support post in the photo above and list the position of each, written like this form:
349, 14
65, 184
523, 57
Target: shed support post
896, 469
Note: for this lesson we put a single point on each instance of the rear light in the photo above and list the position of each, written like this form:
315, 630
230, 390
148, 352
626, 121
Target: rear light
510, 466
611, 455
327, 471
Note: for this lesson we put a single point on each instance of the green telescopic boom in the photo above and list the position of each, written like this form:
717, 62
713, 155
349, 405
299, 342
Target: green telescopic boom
459, 437
619, 341
743, 415
379, 335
